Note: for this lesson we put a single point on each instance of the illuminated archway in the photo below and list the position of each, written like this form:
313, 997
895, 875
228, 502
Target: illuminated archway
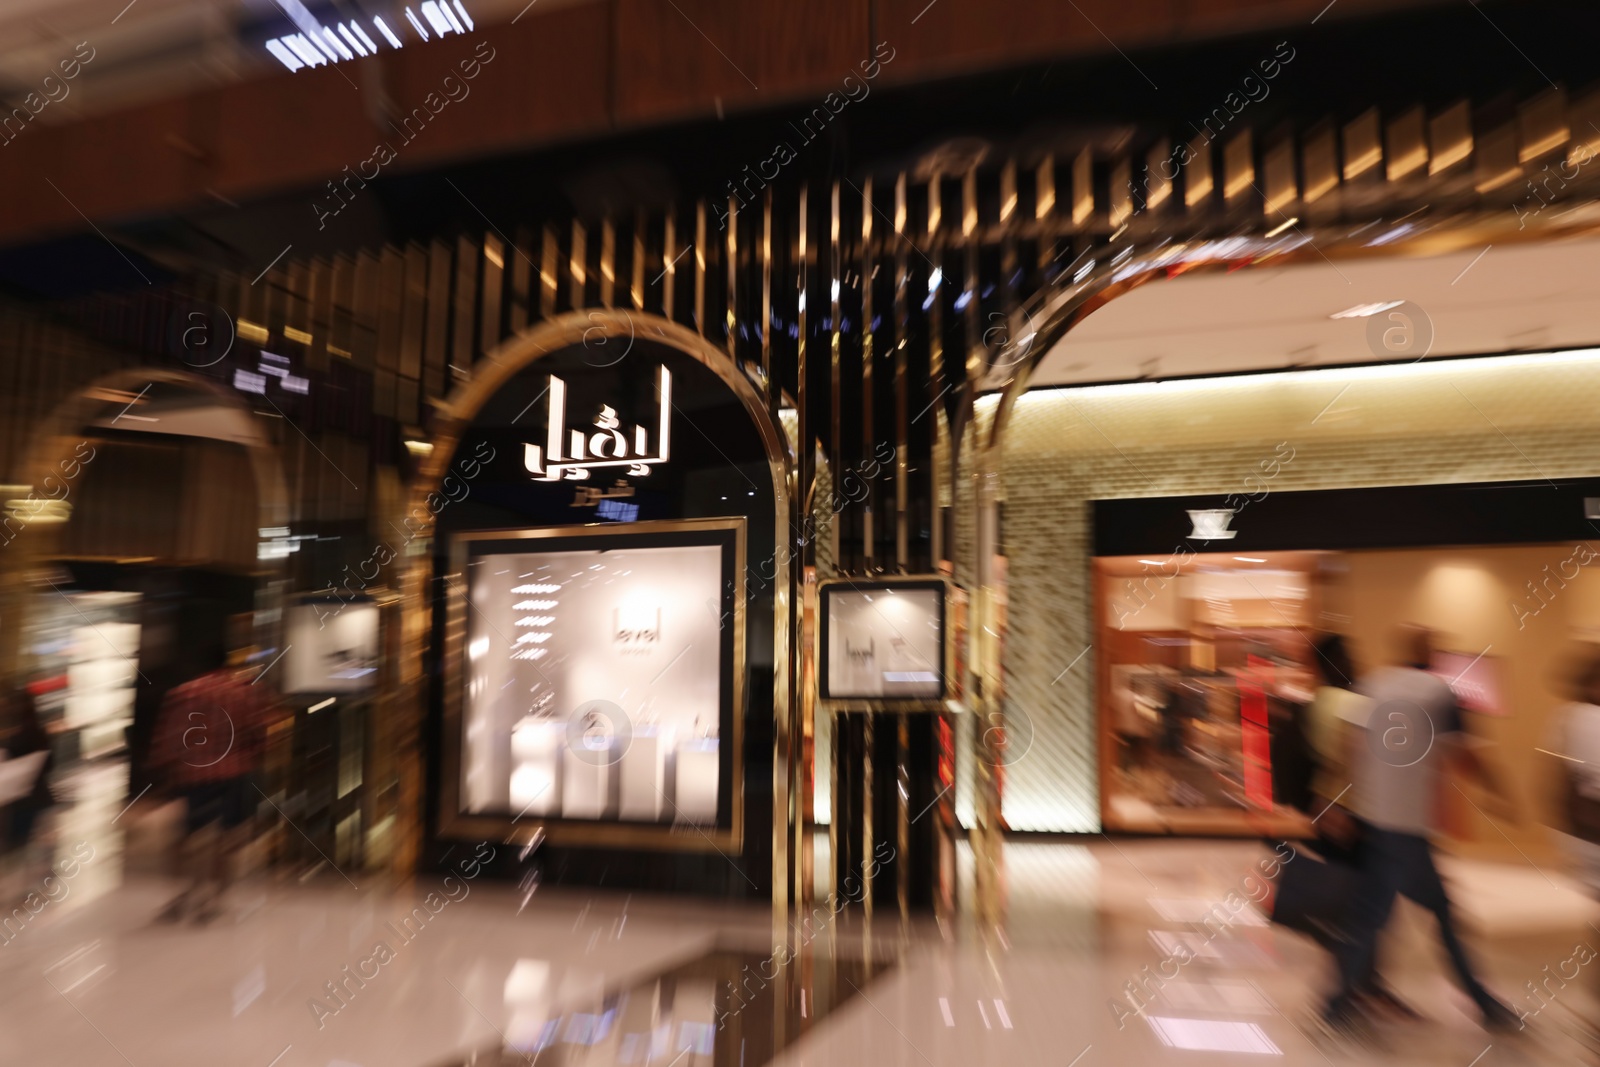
606, 333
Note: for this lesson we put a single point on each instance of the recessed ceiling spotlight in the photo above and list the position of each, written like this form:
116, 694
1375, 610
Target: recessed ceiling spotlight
1364, 311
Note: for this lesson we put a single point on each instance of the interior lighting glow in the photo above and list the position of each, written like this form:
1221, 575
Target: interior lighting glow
351, 38
1211, 1035
1366, 311
337, 44
384, 29
444, 9
283, 54
435, 17
316, 44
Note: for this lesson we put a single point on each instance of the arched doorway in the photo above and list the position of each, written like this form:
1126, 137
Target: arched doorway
150, 506
730, 461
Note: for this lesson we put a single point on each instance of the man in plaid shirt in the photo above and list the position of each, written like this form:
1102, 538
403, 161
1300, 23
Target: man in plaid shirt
208, 743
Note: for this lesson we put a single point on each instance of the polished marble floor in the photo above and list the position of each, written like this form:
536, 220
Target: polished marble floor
289, 977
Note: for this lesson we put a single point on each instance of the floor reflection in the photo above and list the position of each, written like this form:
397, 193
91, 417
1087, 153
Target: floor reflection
728, 1008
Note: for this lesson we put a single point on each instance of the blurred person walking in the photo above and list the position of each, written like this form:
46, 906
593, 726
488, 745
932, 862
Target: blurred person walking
1335, 727
1575, 746
1414, 727
1336, 721
209, 744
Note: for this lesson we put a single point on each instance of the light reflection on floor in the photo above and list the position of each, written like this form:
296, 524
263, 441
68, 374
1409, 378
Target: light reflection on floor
604, 978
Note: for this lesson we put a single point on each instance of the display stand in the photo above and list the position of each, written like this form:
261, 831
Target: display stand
888, 675
330, 672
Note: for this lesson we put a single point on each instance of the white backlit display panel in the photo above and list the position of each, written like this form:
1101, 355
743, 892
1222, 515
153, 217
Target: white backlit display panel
594, 683
332, 647
884, 643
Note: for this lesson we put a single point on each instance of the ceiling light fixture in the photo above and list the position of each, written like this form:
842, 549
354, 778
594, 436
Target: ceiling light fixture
1366, 311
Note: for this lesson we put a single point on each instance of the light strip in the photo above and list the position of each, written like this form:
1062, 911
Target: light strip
417, 24
1365, 311
444, 9
348, 36
284, 55
1452, 365
334, 39
435, 17
387, 33
317, 44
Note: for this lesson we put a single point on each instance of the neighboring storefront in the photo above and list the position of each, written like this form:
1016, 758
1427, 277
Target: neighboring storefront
1196, 534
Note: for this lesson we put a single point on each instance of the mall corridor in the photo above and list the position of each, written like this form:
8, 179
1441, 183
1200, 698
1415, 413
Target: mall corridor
728, 533
606, 977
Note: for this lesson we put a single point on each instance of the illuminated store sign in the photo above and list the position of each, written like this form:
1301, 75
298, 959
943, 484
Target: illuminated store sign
569, 454
316, 44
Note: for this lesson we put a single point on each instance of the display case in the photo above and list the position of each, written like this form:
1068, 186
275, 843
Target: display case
86, 664
885, 642
331, 646
594, 683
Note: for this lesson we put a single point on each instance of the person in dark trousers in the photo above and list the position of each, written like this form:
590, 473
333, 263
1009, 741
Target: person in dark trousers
25, 736
1414, 726
208, 744
1335, 725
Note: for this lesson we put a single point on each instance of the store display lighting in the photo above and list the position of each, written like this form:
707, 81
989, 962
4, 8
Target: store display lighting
316, 45
1366, 311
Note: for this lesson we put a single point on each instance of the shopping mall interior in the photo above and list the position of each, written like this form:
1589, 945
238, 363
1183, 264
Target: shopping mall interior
683, 533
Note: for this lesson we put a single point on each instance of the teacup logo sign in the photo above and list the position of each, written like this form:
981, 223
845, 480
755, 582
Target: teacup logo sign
569, 453
1211, 524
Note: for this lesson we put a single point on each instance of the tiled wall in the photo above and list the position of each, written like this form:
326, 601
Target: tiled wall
1472, 420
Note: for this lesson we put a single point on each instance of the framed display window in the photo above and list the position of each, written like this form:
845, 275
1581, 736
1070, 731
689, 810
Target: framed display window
332, 647
594, 683
885, 642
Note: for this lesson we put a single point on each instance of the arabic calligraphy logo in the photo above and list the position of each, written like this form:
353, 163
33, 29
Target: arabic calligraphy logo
1211, 524
603, 347
570, 454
